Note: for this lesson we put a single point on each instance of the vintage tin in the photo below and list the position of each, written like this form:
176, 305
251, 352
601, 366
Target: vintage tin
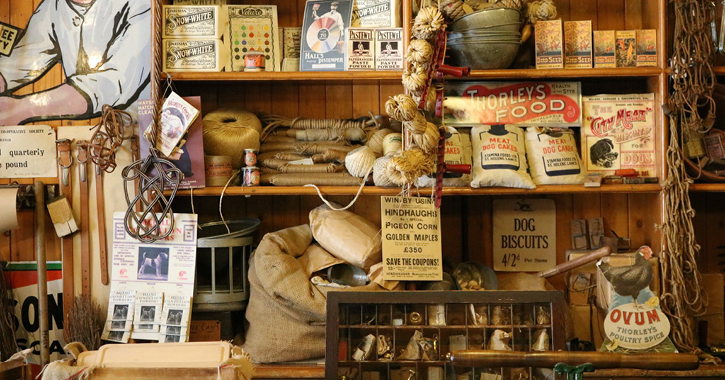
250, 157
251, 176
254, 61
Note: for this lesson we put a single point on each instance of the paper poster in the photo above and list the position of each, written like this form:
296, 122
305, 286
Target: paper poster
551, 104
22, 278
411, 239
27, 152
8, 211
524, 235
166, 266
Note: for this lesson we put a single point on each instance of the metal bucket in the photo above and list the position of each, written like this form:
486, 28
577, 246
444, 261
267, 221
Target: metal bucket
221, 272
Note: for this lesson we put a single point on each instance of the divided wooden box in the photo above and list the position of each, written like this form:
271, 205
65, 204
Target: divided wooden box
351, 316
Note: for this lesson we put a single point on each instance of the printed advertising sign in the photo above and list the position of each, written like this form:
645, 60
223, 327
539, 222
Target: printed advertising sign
411, 239
549, 104
27, 152
524, 235
619, 133
22, 278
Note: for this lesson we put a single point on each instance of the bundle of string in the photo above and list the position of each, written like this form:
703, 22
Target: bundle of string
693, 81
148, 225
108, 136
273, 122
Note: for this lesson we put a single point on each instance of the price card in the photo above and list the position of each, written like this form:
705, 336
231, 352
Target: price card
524, 235
411, 239
27, 151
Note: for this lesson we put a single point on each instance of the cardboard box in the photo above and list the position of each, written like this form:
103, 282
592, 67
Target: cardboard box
625, 48
604, 288
578, 46
646, 47
389, 49
360, 49
549, 45
581, 317
712, 283
200, 55
193, 21
604, 49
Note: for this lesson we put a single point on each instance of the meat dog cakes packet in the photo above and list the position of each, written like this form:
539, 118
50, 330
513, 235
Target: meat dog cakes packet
499, 157
553, 156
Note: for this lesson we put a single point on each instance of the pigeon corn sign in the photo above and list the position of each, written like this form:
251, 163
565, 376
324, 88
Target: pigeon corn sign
635, 322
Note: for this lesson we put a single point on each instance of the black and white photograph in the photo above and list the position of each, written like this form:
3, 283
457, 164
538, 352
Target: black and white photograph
118, 324
115, 335
120, 312
176, 330
145, 327
174, 317
153, 263
172, 338
147, 313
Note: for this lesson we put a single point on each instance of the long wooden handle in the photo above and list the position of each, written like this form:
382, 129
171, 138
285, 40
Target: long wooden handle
601, 360
576, 263
101, 225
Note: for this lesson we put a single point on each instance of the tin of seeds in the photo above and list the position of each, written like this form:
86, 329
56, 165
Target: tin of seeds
251, 176
250, 157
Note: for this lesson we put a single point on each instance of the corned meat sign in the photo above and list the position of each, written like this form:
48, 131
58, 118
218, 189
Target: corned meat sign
518, 103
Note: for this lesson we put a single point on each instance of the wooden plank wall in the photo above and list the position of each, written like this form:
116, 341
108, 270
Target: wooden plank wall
709, 224
466, 221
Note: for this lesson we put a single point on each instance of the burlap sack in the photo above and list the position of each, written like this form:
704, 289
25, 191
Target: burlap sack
286, 313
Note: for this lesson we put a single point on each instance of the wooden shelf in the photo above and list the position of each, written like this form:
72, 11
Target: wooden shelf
450, 191
287, 76
711, 187
565, 73
719, 70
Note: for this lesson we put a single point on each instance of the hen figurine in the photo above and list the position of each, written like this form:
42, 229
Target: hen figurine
630, 280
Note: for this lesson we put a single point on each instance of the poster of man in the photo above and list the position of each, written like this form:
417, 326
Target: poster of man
103, 48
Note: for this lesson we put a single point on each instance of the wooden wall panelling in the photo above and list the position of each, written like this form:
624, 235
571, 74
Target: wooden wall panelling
610, 14
584, 10
452, 215
633, 14
563, 9
338, 104
615, 214
644, 214
703, 209
715, 234
564, 215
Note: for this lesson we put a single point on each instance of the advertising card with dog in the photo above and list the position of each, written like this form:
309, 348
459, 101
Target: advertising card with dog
618, 132
157, 270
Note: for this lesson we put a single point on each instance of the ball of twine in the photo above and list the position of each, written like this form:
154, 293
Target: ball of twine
375, 141
416, 126
419, 51
428, 141
414, 79
401, 107
541, 10
360, 161
392, 174
452, 9
427, 23
431, 96
229, 133
412, 163
234, 118
380, 176
392, 143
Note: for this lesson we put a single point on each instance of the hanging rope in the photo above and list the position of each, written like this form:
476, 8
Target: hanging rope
693, 82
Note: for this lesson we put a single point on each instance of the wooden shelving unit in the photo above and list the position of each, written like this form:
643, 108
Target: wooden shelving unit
619, 72
449, 191
286, 76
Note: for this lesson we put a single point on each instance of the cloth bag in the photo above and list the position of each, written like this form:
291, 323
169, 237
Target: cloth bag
286, 314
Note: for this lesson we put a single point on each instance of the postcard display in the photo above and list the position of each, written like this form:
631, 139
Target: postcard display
376, 334
152, 284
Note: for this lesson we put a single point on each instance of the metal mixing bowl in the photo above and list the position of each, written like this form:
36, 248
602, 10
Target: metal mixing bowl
509, 18
483, 55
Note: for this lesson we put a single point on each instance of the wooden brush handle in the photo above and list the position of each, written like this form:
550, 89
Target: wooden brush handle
601, 360
569, 265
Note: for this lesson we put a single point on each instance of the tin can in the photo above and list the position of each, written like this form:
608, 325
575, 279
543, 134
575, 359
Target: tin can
251, 176
254, 61
250, 157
